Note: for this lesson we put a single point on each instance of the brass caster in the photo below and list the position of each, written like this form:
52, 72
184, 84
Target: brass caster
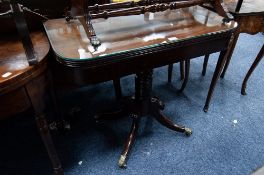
122, 162
188, 131
205, 109
243, 92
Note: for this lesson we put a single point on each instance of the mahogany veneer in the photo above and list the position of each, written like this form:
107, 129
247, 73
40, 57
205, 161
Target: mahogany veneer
136, 45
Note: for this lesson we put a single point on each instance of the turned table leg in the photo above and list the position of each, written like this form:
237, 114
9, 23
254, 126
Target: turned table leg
47, 140
252, 68
36, 95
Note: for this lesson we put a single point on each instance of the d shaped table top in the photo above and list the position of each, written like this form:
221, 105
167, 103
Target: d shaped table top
14, 66
128, 34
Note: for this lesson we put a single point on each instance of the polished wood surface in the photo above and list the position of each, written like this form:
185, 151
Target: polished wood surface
14, 68
120, 34
137, 45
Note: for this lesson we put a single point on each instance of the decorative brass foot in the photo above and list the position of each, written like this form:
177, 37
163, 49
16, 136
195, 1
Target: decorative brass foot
205, 109
122, 161
188, 131
129, 142
243, 90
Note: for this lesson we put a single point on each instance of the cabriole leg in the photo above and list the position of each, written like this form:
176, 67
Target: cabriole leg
251, 70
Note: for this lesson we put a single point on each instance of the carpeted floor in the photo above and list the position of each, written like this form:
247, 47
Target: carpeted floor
228, 140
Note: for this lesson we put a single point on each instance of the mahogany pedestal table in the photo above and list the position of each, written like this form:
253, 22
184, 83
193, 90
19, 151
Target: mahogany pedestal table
136, 45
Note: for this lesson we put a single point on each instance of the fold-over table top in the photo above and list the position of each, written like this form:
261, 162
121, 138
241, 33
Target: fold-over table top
132, 33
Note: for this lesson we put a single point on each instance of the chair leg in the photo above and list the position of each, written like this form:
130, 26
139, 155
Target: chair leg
186, 76
206, 58
252, 68
238, 6
218, 69
229, 55
118, 89
182, 69
170, 69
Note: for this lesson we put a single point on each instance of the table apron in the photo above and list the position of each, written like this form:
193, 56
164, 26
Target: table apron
104, 72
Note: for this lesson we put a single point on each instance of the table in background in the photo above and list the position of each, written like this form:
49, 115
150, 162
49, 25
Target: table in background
23, 86
250, 19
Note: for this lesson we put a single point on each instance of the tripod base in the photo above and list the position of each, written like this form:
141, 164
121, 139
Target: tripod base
143, 104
